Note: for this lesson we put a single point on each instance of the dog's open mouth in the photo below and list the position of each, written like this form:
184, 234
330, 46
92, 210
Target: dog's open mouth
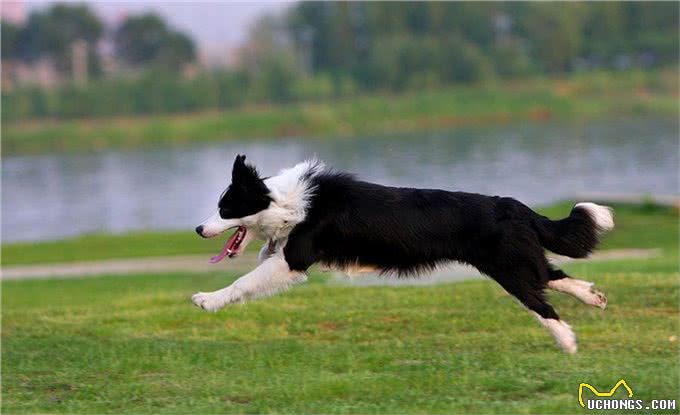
232, 247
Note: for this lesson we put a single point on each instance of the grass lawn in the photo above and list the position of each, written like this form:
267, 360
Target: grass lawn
578, 96
135, 344
104, 246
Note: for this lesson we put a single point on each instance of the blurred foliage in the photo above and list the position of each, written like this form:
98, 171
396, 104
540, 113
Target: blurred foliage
139, 40
328, 50
143, 40
51, 33
347, 36
9, 38
156, 91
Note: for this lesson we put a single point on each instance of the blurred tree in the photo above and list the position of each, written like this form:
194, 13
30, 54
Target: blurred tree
176, 49
53, 32
472, 21
401, 61
511, 58
10, 37
464, 62
321, 50
603, 30
231, 88
138, 38
554, 30
275, 79
653, 29
146, 40
270, 60
267, 36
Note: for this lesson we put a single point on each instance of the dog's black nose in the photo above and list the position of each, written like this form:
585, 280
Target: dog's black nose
199, 230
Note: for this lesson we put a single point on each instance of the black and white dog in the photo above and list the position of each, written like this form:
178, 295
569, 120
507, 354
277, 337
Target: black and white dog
309, 214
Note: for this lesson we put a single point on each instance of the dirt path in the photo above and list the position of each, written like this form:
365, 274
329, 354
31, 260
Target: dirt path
149, 265
199, 263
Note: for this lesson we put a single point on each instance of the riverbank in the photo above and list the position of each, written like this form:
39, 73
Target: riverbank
581, 96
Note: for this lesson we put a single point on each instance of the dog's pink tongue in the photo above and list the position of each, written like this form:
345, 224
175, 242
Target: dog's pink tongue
228, 248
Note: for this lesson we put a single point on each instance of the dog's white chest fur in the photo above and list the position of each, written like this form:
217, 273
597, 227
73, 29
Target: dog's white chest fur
290, 195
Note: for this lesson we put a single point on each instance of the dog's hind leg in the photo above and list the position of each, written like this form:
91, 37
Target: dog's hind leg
560, 331
528, 290
582, 290
519, 265
546, 315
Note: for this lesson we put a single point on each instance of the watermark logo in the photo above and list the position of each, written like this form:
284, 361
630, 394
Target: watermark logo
599, 394
620, 404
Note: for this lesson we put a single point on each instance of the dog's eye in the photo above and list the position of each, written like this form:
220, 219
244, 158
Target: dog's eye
223, 213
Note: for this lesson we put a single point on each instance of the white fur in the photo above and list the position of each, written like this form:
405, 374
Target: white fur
270, 277
602, 215
560, 331
215, 225
290, 194
583, 290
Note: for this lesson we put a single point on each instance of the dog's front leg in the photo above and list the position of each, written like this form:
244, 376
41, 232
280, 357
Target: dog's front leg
271, 276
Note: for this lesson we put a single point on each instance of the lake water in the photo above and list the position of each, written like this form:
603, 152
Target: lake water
56, 196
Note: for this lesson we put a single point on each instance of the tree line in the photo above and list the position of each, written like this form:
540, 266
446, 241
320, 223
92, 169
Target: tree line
400, 44
323, 50
139, 41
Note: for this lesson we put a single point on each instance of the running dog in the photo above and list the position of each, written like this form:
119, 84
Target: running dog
310, 214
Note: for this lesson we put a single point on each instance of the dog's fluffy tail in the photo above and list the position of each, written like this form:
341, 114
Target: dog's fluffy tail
577, 235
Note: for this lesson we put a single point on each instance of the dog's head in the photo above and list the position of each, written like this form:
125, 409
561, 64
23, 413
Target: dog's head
246, 196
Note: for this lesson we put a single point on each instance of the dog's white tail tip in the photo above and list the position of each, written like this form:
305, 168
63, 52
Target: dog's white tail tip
603, 216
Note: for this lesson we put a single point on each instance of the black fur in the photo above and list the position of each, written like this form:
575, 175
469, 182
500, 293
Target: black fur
404, 231
247, 193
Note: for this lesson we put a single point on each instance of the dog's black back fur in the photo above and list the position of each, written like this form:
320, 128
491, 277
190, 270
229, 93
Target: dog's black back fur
404, 231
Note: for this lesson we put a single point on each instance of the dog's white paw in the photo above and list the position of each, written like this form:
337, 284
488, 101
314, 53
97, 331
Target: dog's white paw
597, 298
585, 292
212, 301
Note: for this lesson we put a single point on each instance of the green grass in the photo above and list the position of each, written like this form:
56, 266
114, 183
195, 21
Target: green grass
105, 246
580, 96
135, 344
644, 226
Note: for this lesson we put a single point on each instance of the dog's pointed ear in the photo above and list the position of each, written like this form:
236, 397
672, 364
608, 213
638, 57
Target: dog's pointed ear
239, 168
242, 171
239, 161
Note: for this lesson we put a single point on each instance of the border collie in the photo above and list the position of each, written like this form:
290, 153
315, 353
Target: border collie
310, 214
